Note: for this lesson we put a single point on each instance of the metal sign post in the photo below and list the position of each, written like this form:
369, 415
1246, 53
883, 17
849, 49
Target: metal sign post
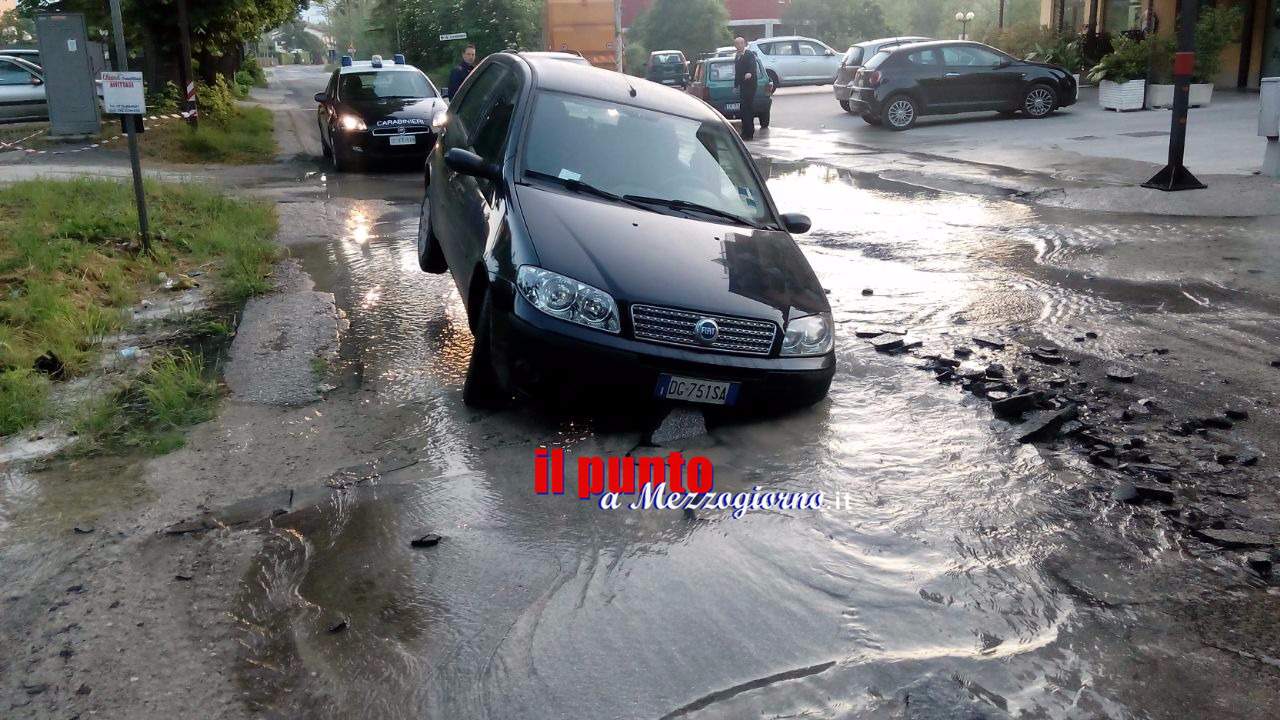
1175, 175
189, 109
122, 65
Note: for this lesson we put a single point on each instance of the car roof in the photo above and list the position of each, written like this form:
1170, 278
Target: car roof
593, 82
937, 43
553, 55
23, 62
900, 40
786, 37
664, 52
368, 65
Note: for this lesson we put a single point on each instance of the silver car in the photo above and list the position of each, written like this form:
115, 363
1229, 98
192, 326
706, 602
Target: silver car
797, 60
21, 90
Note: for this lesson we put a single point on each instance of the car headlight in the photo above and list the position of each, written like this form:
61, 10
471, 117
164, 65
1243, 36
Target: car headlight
351, 123
568, 299
809, 335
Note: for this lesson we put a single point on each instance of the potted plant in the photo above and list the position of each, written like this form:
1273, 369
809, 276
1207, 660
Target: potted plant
1160, 72
1121, 75
1217, 28
1064, 51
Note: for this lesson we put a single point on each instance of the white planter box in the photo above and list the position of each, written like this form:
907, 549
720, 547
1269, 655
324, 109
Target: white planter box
1159, 96
1201, 94
1129, 95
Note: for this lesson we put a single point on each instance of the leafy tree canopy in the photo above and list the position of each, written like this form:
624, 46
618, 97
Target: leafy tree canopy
691, 26
839, 23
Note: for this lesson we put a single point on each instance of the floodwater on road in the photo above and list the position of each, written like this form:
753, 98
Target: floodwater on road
949, 564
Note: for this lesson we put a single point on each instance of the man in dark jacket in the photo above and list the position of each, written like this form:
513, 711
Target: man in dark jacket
744, 78
460, 71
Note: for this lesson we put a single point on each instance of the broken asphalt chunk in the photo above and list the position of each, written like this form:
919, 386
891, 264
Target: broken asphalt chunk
1217, 422
1015, 405
1136, 493
887, 342
1234, 538
1121, 375
1236, 413
1048, 358
870, 332
988, 342
1259, 562
1046, 425
425, 541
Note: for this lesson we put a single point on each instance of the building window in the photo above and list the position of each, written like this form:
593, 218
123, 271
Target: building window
1122, 15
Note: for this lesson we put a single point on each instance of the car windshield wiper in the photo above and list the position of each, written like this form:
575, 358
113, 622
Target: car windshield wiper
695, 207
586, 188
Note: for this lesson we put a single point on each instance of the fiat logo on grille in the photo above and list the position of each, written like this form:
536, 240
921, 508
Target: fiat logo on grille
706, 329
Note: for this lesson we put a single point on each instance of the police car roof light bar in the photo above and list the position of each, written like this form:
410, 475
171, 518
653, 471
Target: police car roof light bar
399, 58
346, 61
376, 61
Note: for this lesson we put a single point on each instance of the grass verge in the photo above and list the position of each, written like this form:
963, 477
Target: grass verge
244, 138
70, 268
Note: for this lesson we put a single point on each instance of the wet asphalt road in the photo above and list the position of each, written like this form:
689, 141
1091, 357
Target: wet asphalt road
951, 565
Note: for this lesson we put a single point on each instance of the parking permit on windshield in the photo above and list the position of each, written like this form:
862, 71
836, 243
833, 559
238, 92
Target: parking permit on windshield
747, 196
569, 175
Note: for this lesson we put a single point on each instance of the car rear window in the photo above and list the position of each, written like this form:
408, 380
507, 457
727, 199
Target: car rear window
853, 57
876, 60
720, 71
667, 58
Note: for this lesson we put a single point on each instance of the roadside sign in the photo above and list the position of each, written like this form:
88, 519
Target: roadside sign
453, 36
122, 93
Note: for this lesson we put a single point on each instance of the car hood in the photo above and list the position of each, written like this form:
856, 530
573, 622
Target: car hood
645, 257
397, 112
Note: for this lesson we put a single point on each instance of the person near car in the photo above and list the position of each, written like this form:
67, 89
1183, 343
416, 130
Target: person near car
460, 71
744, 78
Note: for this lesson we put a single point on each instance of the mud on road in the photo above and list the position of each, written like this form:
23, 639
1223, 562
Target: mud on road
955, 572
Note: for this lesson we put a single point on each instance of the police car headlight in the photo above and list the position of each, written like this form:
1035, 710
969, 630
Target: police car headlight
809, 335
351, 123
568, 299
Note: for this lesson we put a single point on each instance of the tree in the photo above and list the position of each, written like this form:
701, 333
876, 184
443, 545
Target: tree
840, 23
219, 28
15, 29
493, 25
691, 26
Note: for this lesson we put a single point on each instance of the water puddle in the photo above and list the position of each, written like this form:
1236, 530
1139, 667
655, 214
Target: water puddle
951, 563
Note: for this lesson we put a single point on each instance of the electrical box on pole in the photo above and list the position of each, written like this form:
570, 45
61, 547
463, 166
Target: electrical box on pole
68, 75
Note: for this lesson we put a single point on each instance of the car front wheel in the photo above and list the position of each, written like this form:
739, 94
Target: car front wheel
1039, 101
483, 387
899, 112
844, 105
430, 256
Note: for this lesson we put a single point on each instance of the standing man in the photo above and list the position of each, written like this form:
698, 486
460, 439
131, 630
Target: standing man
460, 71
744, 78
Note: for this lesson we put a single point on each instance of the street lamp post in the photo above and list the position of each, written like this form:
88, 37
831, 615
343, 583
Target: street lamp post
964, 18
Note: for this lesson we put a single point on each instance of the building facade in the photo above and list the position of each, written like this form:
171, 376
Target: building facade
1244, 63
752, 19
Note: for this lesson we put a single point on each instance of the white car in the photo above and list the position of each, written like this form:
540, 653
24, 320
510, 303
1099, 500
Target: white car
22, 94
797, 60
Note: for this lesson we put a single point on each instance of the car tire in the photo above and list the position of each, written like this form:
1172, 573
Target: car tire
870, 119
844, 105
773, 78
338, 155
430, 256
482, 388
1039, 101
324, 148
899, 112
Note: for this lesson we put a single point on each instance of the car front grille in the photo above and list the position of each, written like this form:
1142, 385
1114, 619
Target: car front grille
676, 327
408, 130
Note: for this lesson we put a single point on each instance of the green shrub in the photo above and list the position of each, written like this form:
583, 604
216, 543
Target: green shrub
1063, 51
1130, 60
165, 100
1217, 28
256, 73
1021, 40
217, 102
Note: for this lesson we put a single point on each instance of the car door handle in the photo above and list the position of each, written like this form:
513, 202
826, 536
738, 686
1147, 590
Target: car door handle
952, 74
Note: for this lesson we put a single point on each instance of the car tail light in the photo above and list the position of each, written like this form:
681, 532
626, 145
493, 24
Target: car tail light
871, 78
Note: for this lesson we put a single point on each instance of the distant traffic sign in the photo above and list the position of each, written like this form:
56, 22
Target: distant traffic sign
453, 36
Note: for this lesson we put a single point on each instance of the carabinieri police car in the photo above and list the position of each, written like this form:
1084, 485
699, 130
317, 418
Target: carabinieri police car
376, 110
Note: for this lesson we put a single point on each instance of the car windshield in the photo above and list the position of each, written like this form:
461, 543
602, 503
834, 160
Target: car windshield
667, 59
630, 151
384, 85
854, 56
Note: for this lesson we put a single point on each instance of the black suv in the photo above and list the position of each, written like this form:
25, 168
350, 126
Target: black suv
611, 240
900, 84
667, 67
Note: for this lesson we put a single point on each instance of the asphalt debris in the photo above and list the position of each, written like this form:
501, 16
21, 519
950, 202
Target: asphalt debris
425, 541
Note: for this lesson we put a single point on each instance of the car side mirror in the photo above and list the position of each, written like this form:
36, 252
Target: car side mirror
796, 223
322, 97
466, 162
36, 81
